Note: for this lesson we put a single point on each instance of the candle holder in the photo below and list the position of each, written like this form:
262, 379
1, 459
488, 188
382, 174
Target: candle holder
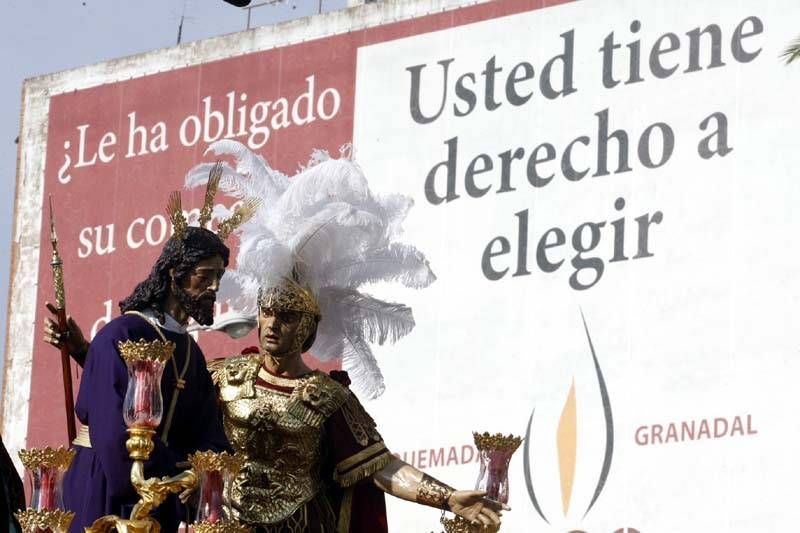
216, 472
46, 467
142, 410
143, 406
495, 453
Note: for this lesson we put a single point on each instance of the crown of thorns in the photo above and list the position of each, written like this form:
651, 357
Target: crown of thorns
240, 215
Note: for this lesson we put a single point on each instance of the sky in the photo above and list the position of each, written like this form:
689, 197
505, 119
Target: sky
43, 36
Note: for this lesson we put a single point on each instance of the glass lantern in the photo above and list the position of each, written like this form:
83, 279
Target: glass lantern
215, 472
211, 504
495, 453
46, 468
143, 406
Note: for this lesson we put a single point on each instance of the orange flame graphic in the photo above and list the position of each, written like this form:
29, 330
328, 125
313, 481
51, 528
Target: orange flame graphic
567, 442
567, 445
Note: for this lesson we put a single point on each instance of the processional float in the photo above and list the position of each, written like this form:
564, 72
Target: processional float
212, 473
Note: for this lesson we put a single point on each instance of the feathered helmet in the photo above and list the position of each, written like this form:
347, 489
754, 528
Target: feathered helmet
327, 233
289, 295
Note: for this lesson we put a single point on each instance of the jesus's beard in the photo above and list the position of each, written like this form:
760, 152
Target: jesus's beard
201, 308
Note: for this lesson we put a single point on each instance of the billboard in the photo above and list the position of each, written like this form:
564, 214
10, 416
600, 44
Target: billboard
605, 192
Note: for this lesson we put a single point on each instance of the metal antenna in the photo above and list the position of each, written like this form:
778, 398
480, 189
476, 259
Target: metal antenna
250, 9
183, 16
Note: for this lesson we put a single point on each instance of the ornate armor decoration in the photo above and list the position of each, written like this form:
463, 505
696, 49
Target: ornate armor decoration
280, 432
291, 296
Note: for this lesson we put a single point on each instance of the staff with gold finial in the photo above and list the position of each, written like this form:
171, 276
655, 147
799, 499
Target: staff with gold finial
61, 315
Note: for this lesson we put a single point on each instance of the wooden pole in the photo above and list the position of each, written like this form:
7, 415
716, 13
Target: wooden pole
61, 314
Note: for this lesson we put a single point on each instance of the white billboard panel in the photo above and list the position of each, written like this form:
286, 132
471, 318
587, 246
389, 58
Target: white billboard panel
626, 163
605, 191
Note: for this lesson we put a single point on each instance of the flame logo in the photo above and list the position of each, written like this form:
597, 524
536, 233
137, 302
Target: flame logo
567, 439
567, 442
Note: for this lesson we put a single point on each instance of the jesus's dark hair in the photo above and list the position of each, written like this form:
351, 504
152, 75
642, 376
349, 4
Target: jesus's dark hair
182, 255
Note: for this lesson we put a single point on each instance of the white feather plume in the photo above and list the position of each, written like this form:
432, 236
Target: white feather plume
325, 223
360, 363
397, 262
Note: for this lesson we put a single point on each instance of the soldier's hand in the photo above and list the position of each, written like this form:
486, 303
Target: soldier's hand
475, 507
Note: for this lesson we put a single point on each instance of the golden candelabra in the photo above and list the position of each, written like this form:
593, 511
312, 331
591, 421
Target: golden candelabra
142, 410
495, 452
152, 491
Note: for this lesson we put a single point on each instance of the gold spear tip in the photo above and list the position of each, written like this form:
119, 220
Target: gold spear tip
53, 236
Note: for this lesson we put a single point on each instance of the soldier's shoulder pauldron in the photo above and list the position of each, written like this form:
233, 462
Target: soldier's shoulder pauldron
317, 398
235, 376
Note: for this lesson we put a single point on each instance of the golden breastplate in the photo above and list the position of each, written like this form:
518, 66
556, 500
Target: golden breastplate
280, 432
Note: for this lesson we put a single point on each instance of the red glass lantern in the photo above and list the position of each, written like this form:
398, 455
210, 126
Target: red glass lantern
216, 472
143, 406
46, 468
495, 453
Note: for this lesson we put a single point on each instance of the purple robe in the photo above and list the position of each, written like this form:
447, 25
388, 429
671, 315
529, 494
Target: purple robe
98, 482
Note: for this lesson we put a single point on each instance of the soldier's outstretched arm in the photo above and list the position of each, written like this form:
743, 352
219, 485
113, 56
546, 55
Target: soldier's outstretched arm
402, 480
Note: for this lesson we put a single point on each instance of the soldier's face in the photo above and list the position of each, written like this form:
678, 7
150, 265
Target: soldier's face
278, 331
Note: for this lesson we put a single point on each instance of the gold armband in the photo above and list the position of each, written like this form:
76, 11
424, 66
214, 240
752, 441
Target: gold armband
434, 493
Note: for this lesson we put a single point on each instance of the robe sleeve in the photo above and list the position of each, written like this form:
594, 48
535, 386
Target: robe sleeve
358, 452
105, 379
209, 434
357, 448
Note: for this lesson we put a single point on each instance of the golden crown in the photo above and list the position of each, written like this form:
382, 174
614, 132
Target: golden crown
143, 350
47, 457
498, 441
209, 461
241, 214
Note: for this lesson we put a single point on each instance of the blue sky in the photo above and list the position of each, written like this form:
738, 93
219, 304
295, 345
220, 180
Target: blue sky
43, 36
